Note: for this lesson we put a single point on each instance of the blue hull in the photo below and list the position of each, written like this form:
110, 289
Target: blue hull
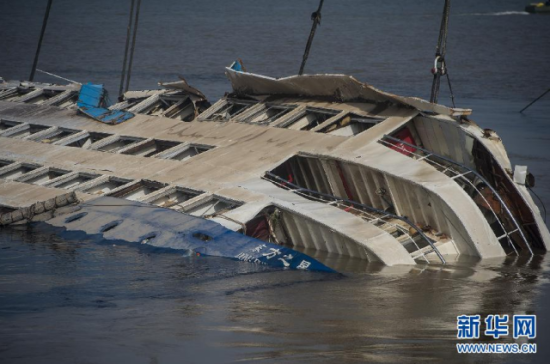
114, 219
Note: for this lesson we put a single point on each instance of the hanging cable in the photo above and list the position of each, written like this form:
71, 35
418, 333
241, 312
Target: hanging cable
440, 67
57, 76
450, 89
123, 75
535, 100
316, 17
44, 24
540, 200
133, 46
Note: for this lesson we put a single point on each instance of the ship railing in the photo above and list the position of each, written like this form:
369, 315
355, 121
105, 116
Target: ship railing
373, 214
444, 165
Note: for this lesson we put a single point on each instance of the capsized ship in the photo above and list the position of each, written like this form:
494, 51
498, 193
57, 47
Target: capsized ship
279, 171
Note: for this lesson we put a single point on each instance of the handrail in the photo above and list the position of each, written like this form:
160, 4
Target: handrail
495, 193
366, 207
409, 237
461, 176
372, 218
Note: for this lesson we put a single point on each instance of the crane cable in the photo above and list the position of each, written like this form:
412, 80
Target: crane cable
125, 62
440, 65
132, 47
316, 17
39, 46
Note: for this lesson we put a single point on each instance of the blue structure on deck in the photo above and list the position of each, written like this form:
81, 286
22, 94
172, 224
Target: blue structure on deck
92, 101
237, 66
114, 219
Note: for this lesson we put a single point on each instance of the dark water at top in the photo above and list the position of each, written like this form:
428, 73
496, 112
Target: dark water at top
82, 302
494, 49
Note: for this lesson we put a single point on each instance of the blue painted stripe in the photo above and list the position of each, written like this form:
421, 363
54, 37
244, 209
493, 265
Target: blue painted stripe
134, 222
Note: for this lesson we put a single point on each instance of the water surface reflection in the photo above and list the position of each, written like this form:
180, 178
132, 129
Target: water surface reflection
79, 301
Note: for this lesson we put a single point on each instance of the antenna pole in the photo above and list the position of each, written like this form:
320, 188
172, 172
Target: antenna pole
316, 17
44, 24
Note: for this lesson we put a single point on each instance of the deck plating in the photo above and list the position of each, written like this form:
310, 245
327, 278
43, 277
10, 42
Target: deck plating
316, 162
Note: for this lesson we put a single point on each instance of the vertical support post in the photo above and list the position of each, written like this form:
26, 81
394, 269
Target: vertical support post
44, 24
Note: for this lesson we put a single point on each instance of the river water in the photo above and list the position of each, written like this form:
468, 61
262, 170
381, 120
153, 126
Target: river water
82, 302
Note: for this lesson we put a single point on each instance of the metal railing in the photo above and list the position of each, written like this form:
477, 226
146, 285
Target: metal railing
428, 155
305, 192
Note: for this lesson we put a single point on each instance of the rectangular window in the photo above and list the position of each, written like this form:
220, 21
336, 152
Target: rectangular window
151, 148
57, 135
74, 180
138, 190
13, 172
105, 186
185, 110
310, 118
211, 206
187, 152
174, 197
84, 141
269, 115
119, 143
5, 162
231, 109
43, 176
28, 130
8, 124
350, 125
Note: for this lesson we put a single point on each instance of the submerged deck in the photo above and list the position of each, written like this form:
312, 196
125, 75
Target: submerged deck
282, 162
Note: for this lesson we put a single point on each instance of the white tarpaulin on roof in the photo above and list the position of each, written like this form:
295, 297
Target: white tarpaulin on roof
342, 88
